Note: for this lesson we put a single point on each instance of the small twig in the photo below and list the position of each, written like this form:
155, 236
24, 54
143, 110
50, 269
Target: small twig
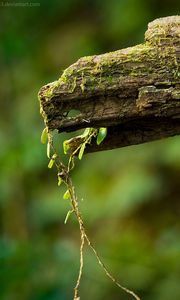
76, 289
85, 236
74, 204
107, 272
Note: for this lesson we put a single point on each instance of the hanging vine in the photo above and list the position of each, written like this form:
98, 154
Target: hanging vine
63, 175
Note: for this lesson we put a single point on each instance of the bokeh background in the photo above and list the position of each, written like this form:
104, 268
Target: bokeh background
130, 196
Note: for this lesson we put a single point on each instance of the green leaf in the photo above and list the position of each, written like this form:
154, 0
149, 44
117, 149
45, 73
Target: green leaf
65, 147
81, 151
44, 135
48, 150
59, 180
66, 195
86, 132
67, 216
51, 163
101, 135
71, 163
52, 160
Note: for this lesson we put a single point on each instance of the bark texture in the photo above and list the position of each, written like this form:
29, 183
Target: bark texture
134, 92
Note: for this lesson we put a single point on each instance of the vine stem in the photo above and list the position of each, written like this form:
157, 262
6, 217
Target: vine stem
74, 203
63, 171
84, 236
107, 272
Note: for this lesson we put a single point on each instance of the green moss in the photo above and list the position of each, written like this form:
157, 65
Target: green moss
176, 94
67, 74
86, 59
45, 95
92, 72
69, 79
109, 79
48, 90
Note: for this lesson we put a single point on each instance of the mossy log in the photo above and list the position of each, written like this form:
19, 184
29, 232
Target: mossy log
134, 92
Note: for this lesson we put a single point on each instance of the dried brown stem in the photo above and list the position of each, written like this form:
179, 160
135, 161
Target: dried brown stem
84, 236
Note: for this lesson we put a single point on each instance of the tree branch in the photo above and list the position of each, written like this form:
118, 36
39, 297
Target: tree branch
134, 92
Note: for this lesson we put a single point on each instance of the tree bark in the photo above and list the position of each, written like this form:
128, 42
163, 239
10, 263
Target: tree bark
134, 92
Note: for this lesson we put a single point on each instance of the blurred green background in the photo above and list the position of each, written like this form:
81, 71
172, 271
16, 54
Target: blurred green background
130, 196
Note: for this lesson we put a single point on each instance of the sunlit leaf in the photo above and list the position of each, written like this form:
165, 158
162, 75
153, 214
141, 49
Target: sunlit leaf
44, 135
66, 195
52, 160
101, 135
51, 163
67, 216
65, 147
71, 163
59, 180
86, 132
81, 151
48, 150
